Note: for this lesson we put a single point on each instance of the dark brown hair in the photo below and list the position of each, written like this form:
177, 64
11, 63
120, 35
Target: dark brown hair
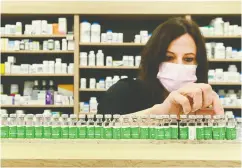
154, 51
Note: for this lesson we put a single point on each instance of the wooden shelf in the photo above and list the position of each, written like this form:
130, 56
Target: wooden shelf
93, 90
107, 67
38, 75
34, 36
222, 37
36, 52
225, 83
36, 106
232, 107
224, 60
111, 44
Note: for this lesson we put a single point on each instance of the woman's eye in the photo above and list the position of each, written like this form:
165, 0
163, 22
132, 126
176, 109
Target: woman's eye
169, 58
189, 59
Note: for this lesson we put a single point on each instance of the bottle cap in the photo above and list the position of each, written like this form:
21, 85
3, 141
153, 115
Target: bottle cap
99, 116
38, 115
82, 115
116, 116
73, 116
13, 115
30, 116
183, 116
108, 116
207, 116
173, 116
64, 116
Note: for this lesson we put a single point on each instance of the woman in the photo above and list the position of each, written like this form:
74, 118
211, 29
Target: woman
172, 78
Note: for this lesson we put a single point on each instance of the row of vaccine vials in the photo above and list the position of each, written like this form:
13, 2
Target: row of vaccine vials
37, 27
219, 27
219, 75
160, 127
219, 51
27, 44
98, 59
48, 67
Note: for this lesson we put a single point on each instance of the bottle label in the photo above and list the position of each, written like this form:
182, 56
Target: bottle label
160, 133
116, 132
12, 131
108, 132
208, 132
230, 133
56, 132
38, 132
174, 132
134, 132
47, 132
90, 132
125, 132
29, 132
218, 133
167, 132
4, 131
192, 132
82, 130
199, 133
152, 132
184, 133
72, 132
144, 133
20, 131
98, 132
64, 132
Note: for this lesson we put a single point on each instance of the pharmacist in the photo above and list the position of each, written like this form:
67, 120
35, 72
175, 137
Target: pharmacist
172, 77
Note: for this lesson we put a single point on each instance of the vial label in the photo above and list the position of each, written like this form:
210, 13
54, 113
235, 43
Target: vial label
230, 133
125, 132
208, 133
20, 131
64, 132
167, 132
29, 132
90, 132
82, 130
134, 132
98, 132
38, 132
108, 132
144, 133
192, 132
184, 133
199, 133
72, 132
47, 132
152, 132
174, 132
218, 133
4, 131
12, 131
55, 132
160, 133
116, 132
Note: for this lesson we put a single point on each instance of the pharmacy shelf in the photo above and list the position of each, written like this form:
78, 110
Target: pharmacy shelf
111, 44
36, 106
222, 37
93, 90
224, 60
38, 75
107, 67
226, 83
37, 52
34, 36
232, 107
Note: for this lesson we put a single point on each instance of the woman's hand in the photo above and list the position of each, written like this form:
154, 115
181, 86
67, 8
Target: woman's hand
190, 98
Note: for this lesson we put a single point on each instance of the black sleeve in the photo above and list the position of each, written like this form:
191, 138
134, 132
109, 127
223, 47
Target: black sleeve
126, 96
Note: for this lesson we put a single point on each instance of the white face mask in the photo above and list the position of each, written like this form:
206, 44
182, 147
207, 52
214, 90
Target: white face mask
173, 76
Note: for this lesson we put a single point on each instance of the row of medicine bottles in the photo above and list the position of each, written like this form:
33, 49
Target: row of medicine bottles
98, 59
159, 127
37, 27
47, 67
230, 98
89, 107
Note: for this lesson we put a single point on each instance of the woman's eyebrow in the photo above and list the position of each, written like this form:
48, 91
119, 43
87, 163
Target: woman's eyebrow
170, 52
190, 54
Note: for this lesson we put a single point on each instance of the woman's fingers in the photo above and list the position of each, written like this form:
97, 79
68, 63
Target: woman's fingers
217, 106
182, 100
207, 94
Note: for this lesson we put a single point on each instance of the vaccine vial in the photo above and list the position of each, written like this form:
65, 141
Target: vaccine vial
192, 127
99, 126
82, 126
90, 126
160, 134
47, 126
183, 127
218, 128
239, 129
55, 127
20, 126
64, 126
107, 127
13, 126
174, 127
134, 127
199, 127
125, 128
116, 123
4, 126
167, 128
231, 128
29, 126
38, 126
208, 124
152, 126
144, 131
72, 126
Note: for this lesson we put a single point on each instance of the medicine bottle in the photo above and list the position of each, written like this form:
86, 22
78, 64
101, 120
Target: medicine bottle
109, 36
100, 58
108, 82
134, 127
174, 127
90, 126
50, 44
192, 127
91, 59
92, 83
183, 127
152, 123
30, 126
55, 127
125, 128
107, 127
208, 124
231, 128
99, 127
160, 133
95, 33
218, 128
72, 126
82, 127
13, 126
167, 128
144, 127
83, 83
115, 79
199, 127
85, 31
116, 123
38, 126
93, 105
4, 126
47, 126
64, 45
21, 126
64, 126
109, 61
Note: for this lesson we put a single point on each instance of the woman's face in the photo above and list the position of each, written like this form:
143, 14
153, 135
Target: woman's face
182, 51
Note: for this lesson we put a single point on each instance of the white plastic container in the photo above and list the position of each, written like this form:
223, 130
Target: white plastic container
226, 28
83, 83
120, 37
209, 50
228, 52
57, 45
218, 26
211, 75
137, 39
93, 105
101, 84
18, 28
44, 27
125, 60
131, 61
14, 89
86, 108
95, 33
109, 36
108, 82
64, 45
232, 68
144, 36
219, 75
219, 51
109, 61
103, 37
100, 58
91, 58
115, 79
64, 68
92, 83
62, 25
114, 37
234, 54
83, 59
137, 60
85, 32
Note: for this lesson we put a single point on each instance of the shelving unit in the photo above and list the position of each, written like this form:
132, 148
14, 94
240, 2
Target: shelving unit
38, 75
224, 60
37, 52
107, 67
33, 36
37, 106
